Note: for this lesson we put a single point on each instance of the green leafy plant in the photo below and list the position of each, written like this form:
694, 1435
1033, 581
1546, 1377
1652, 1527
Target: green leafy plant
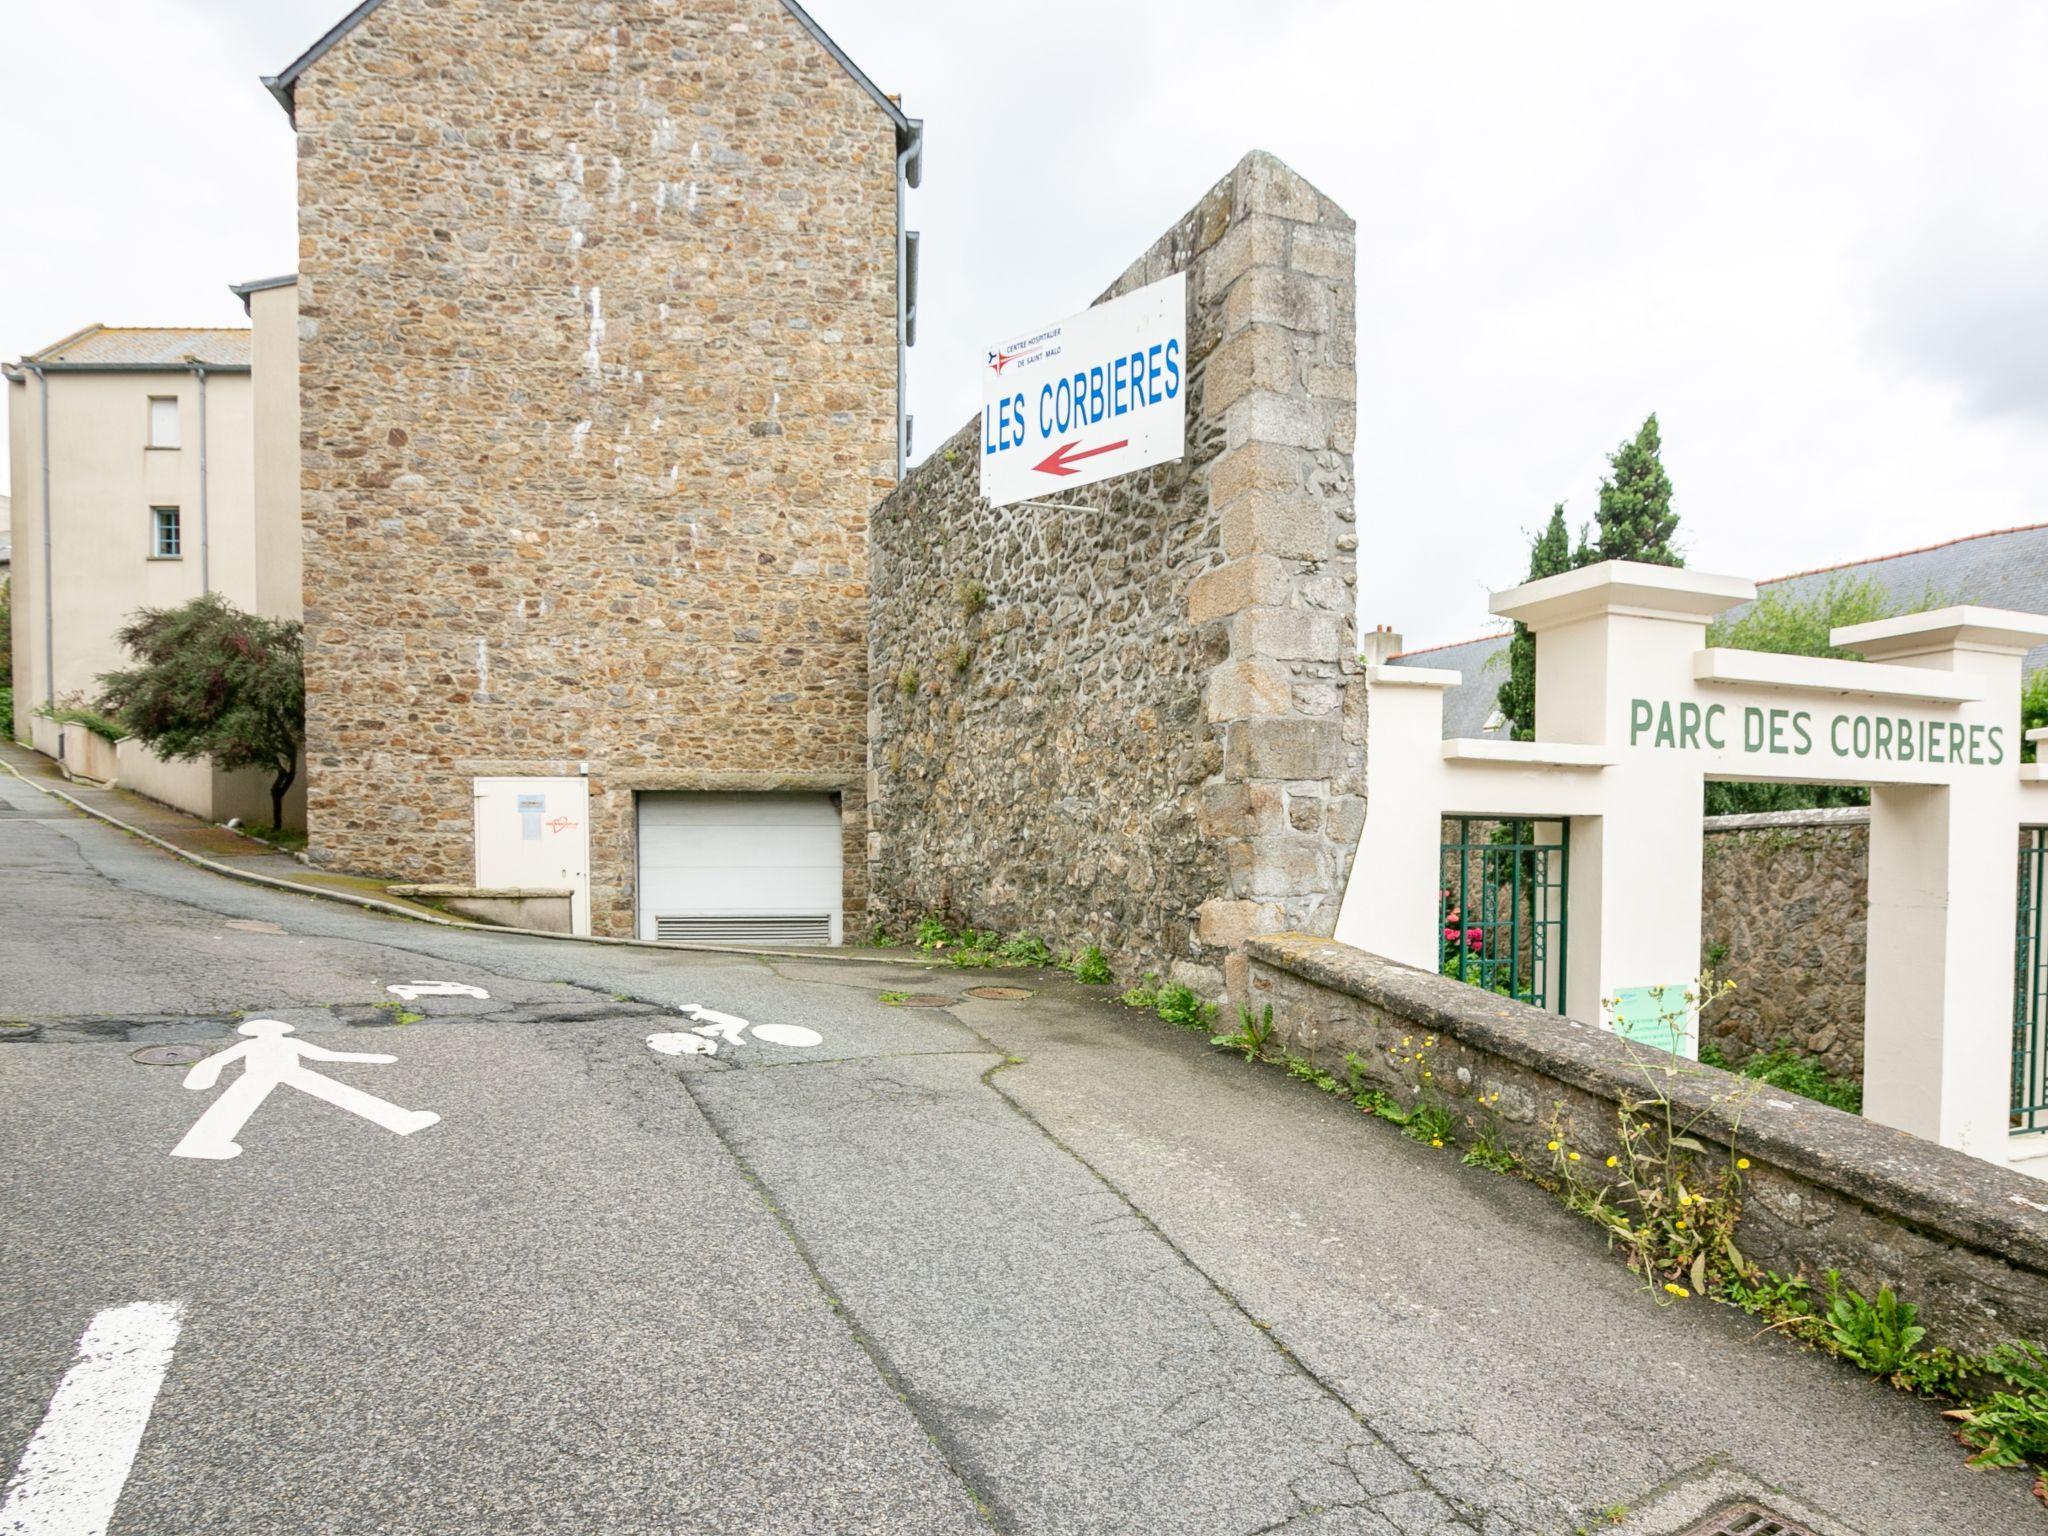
1488, 1150
879, 937
1878, 1335
1025, 949
1766, 1293
1180, 1006
2009, 1427
1429, 1123
972, 597
1786, 1066
1252, 1036
961, 659
933, 933
977, 947
212, 681
1090, 969
906, 682
1302, 1069
894, 999
1145, 994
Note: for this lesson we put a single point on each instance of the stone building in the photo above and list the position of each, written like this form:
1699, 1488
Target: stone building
601, 321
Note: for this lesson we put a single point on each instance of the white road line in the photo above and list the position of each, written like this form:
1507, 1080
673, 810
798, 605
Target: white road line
72, 1473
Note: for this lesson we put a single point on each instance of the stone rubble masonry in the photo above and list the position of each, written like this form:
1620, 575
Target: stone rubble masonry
1961, 1238
1132, 716
598, 381
1785, 900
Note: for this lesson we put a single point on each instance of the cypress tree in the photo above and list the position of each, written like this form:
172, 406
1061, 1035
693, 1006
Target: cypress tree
1636, 520
1550, 554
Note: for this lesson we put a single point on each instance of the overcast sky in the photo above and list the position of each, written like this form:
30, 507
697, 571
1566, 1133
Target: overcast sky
1812, 237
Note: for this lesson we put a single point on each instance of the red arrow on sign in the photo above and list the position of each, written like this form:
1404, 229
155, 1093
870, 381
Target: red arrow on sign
1061, 460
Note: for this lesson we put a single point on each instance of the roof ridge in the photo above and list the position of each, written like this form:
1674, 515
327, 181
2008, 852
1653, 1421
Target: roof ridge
1845, 565
282, 85
1447, 645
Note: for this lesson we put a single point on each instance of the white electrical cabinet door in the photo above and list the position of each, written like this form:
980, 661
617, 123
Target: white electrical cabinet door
536, 833
740, 868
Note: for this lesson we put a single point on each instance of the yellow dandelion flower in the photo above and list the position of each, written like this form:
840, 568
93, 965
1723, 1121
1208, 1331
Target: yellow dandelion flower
1742, 1162
1436, 1141
1551, 1146
1680, 1223
1614, 1162
1676, 1290
1573, 1156
1430, 1041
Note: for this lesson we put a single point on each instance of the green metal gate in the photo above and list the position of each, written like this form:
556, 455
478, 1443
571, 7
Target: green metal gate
1501, 906
2030, 990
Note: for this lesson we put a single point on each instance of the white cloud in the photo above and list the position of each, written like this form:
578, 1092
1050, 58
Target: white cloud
1811, 237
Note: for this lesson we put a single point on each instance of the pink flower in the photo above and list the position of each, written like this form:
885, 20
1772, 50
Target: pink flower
1474, 937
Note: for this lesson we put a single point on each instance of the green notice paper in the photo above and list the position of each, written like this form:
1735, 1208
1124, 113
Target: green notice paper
1659, 1016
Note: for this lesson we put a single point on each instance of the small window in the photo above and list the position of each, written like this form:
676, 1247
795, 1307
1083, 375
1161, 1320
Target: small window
163, 421
166, 535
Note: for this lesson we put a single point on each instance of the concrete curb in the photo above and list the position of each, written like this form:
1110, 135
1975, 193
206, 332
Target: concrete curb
371, 904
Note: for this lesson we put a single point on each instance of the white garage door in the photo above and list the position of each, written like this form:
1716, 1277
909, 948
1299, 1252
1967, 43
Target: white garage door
740, 869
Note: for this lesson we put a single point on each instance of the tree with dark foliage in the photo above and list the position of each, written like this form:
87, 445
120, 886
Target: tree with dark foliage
215, 682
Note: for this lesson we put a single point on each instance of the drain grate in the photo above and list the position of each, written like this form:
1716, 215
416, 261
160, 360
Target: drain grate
1748, 1519
167, 1055
1000, 994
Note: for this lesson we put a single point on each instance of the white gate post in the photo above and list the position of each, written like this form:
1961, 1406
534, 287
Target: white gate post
1605, 636
1944, 873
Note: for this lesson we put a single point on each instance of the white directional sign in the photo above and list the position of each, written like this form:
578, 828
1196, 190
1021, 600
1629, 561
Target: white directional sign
1101, 393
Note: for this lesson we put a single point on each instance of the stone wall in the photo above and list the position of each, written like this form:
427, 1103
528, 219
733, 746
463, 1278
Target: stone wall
598, 381
1784, 899
1961, 1238
1132, 718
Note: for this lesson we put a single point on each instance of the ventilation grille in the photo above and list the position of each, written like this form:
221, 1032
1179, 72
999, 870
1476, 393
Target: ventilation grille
778, 928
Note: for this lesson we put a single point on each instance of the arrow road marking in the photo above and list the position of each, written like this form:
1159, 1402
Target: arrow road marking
78, 1460
1062, 459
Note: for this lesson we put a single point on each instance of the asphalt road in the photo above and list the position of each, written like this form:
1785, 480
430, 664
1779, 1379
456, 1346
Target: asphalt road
1033, 1266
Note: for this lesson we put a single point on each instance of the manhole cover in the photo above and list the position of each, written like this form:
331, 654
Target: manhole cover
1000, 994
167, 1055
1748, 1519
929, 1000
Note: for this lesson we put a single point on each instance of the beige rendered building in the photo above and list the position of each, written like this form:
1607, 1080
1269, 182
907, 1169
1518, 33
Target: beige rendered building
136, 441
135, 457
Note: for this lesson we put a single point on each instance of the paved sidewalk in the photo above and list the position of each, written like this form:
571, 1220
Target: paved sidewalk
202, 839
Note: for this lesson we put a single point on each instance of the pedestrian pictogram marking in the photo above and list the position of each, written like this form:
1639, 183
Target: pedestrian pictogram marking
271, 1061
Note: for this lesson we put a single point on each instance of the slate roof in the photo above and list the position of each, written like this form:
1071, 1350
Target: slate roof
2005, 568
115, 346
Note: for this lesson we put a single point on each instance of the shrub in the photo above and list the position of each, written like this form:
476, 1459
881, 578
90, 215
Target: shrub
1785, 1066
1090, 969
92, 720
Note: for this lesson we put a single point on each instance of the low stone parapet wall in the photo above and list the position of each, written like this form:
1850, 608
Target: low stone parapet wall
1963, 1239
